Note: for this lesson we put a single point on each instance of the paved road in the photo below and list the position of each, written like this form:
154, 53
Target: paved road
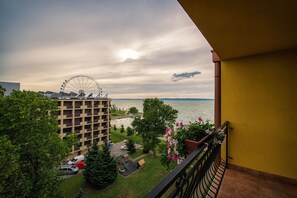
116, 149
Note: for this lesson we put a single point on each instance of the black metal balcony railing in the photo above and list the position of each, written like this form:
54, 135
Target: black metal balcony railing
200, 175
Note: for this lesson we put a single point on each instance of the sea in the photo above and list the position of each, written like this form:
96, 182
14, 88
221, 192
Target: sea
188, 109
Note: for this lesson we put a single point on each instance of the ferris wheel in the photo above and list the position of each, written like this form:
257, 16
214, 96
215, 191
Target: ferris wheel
81, 86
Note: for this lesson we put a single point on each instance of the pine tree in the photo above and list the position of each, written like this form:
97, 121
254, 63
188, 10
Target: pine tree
131, 146
122, 129
130, 131
101, 169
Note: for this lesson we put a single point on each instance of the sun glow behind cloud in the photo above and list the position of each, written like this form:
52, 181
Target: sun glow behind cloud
129, 54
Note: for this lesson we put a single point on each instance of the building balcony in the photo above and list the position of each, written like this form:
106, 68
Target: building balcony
96, 121
68, 124
77, 106
199, 175
62, 107
89, 121
60, 117
88, 130
204, 173
77, 123
77, 114
88, 137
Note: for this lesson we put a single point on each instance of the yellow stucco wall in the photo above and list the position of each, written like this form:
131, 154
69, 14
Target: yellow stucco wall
259, 98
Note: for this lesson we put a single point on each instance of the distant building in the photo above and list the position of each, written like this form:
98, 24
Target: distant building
10, 86
88, 118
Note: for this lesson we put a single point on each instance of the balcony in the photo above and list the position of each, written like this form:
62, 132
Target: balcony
88, 120
88, 137
67, 124
60, 117
205, 174
77, 113
87, 130
69, 107
68, 116
199, 175
88, 105
96, 121
77, 123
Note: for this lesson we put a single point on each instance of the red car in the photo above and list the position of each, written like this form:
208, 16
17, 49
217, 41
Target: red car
80, 165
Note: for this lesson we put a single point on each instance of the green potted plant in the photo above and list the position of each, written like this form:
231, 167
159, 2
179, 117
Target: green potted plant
186, 138
196, 133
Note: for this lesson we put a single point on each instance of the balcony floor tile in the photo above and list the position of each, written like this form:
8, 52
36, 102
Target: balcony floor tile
242, 184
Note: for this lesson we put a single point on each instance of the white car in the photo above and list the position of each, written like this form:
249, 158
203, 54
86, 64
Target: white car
76, 159
124, 147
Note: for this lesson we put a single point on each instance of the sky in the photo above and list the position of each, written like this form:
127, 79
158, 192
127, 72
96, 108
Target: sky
131, 48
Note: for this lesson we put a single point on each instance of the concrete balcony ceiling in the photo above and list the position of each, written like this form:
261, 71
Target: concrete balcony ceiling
243, 28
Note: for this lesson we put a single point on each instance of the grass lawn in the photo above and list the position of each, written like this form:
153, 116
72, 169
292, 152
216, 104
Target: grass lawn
135, 185
136, 154
117, 136
118, 113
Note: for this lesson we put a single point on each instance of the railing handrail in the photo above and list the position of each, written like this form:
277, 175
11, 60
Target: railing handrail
166, 183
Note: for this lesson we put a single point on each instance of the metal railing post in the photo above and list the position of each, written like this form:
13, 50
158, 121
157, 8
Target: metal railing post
227, 137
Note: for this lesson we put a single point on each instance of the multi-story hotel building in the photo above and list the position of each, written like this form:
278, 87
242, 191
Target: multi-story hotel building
88, 118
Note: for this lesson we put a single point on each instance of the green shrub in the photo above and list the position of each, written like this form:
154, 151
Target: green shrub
130, 131
131, 146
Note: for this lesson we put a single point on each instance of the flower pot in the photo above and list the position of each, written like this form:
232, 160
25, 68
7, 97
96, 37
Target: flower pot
191, 145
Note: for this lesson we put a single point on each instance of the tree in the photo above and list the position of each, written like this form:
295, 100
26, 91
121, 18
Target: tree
131, 146
2, 91
130, 131
10, 169
133, 110
29, 131
101, 169
71, 140
113, 108
122, 129
156, 117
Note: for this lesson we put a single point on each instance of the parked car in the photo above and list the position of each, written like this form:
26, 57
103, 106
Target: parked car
76, 159
67, 170
124, 147
80, 165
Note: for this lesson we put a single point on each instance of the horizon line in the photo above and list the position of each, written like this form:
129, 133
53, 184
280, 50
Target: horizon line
164, 98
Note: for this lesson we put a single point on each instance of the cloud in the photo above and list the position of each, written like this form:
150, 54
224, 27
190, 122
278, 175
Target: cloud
185, 75
44, 43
